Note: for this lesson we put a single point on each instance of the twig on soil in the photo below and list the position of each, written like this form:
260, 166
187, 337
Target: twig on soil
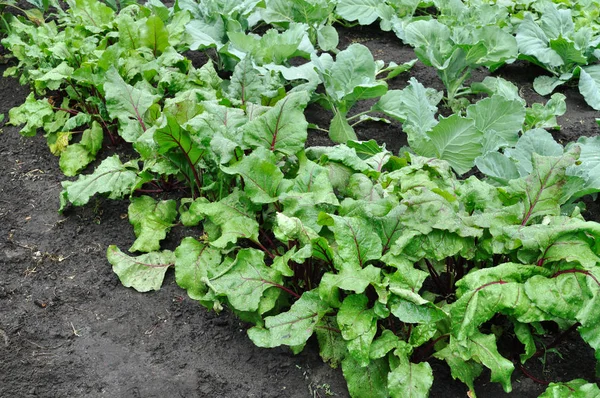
75, 331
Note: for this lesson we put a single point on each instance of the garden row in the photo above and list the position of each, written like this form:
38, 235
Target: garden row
388, 258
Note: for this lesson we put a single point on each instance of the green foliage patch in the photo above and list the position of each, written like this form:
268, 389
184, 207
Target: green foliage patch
389, 259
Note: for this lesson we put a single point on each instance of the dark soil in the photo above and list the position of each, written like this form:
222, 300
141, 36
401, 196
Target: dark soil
69, 329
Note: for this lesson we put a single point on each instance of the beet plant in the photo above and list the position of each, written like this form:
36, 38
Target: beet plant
385, 259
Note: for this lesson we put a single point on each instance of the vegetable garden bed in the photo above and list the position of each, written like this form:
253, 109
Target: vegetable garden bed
372, 253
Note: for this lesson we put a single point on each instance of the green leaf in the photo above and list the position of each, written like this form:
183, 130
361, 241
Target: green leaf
127, 104
95, 16
339, 129
249, 84
348, 279
232, 218
180, 149
525, 336
544, 85
282, 128
327, 38
498, 167
33, 113
358, 325
352, 67
561, 296
464, 370
195, 263
143, 273
206, 33
368, 381
410, 380
262, 178
589, 85
54, 78
245, 281
536, 141
273, 46
415, 106
154, 35
151, 221
357, 242
542, 189
499, 115
92, 138
577, 388
384, 344
544, 116
305, 11
293, 327
588, 166
483, 349
364, 11
111, 176
410, 312
331, 344
455, 139
74, 158
533, 41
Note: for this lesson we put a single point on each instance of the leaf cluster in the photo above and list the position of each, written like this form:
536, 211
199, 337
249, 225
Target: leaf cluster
386, 259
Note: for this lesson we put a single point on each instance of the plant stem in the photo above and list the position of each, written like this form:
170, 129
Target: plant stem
556, 341
358, 115
532, 377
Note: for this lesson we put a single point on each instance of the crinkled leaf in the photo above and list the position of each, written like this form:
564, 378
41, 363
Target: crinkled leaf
482, 348
232, 217
33, 113
542, 189
332, 347
410, 380
455, 139
293, 327
249, 84
282, 128
504, 117
415, 106
561, 296
577, 388
368, 381
364, 11
143, 273
111, 176
348, 279
127, 104
464, 370
358, 325
154, 35
261, 175
74, 158
244, 282
151, 221
356, 240
54, 78
195, 263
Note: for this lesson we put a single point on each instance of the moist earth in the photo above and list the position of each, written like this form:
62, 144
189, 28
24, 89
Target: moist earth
68, 328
